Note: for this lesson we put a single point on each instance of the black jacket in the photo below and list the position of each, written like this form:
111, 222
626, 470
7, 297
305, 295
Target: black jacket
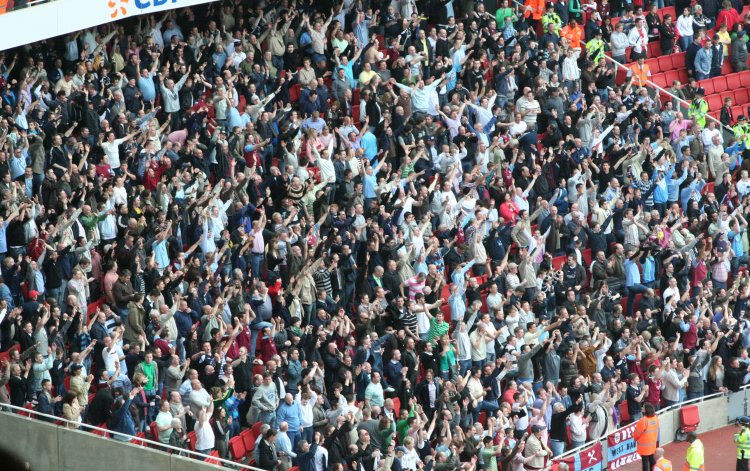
267, 457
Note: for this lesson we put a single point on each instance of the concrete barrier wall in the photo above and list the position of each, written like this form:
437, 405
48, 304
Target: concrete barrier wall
47, 447
31, 440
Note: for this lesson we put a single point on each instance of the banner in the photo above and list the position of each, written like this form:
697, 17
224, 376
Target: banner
589, 459
621, 448
68, 16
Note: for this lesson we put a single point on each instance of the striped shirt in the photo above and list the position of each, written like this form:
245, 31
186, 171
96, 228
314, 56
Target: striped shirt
437, 330
322, 279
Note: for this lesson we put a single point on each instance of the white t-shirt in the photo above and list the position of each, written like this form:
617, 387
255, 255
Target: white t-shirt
204, 436
112, 150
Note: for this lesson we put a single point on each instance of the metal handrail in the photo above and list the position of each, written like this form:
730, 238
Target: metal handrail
157, 446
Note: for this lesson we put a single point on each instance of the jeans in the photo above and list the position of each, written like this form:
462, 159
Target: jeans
576, 444
123, 313
558, 447
488, 406
701, 75
267, 417
463, 366
294, 437
631, 292
256, 264
685, 42
256, 327
308, 434
56, 293
478, 364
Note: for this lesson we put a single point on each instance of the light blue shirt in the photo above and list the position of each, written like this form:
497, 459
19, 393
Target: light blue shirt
160, 254
632, 275
737, 246
369, 145
283, 443
369, 183
147, 87
649, 269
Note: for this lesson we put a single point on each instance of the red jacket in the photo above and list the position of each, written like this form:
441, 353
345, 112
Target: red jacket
728, 17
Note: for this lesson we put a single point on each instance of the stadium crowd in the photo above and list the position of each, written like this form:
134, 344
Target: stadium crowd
400, 235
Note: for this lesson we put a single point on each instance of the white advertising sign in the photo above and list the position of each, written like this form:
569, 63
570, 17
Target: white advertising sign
60, 17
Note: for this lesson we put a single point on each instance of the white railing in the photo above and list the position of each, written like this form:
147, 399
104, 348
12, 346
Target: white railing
132, 439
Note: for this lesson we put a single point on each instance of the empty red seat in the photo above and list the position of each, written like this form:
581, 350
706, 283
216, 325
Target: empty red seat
726, 69
741, 96
678, 61
213, 459
237, 448
683, 75
653, 64
714, 102
660, 80
733, 81
668, 11
654, 49
720, 84
708, 86
665, 63
745, 78
248, 440
690, 418
355, 114
624, 414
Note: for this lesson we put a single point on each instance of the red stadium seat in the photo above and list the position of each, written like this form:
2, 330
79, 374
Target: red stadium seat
671, 76
397, 406
660, 80
212, 459
654, 65
248, 440
558, 262
720, 84
741, 96
665, 63
624, 414
714, 102
192, 438
733, 81
745, 78
678, 61
690, 418
683, 75
708, 87
139, 439
237, 448
726, 69
709, 188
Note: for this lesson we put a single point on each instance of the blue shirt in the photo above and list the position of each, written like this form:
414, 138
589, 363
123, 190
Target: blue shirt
649, 270
289, 413
369, 145
632, 275
147, 87
369, 183
737, 246
160, 254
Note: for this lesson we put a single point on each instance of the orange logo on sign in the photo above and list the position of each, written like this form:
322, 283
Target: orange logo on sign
118, 10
